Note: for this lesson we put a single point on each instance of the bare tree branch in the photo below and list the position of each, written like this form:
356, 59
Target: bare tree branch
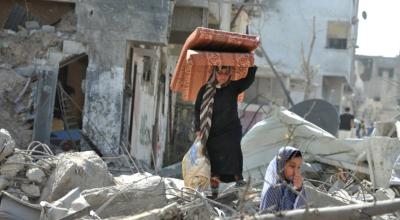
307, 69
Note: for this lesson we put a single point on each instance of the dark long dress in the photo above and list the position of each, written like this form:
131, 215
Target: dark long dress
223, 144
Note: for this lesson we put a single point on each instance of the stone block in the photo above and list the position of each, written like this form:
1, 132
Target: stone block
48, 28
73, 47
30, 25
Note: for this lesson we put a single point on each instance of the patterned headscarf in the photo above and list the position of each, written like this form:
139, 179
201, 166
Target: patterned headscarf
275, 195
206, 108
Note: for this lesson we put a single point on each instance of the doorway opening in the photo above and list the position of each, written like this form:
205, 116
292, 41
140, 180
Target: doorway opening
69, 102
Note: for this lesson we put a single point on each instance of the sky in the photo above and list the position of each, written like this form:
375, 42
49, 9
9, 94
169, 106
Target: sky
379, 34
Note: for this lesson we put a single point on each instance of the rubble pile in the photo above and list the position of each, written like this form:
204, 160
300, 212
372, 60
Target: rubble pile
343, 176
22, 54
85, 170
23, 173
68, 23
15, 105
23, 47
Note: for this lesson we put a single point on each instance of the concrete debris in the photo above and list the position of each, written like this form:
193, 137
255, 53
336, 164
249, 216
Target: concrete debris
14, 208
21, 49
13, 165
67, 23
13, 102
70, 204
387, 129
317, 198
4, 183
35, 175
22, 175
85, 170
78, 185
385, 194
23, 54
48, 28
30, 25
170, 211
31, 189
7, 144
145, 193
73, 47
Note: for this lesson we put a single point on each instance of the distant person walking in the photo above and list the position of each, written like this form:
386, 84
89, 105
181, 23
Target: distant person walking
346, 124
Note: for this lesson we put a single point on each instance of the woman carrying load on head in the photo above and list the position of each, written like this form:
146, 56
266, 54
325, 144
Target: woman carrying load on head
218, 125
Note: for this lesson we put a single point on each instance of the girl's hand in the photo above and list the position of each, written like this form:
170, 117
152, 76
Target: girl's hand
297, 181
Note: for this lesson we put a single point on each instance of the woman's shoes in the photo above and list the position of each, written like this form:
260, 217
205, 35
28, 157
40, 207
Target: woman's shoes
240, 183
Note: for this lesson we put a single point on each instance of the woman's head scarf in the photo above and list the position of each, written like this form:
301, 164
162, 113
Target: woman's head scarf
206, 108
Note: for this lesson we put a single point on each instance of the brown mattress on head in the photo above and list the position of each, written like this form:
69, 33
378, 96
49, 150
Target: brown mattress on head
205, 48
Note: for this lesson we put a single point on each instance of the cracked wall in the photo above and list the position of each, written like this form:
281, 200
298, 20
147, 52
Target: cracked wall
106, 27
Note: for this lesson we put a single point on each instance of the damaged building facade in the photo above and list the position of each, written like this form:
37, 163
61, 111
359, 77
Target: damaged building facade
377, 86
103, 82
310, 68
100, 81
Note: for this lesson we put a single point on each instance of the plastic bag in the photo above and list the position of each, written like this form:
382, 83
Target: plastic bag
196, 169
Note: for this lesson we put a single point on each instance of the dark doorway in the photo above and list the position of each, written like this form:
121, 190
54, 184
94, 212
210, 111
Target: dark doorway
69, 102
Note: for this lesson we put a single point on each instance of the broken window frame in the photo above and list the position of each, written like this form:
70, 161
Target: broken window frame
388, 70
337, 35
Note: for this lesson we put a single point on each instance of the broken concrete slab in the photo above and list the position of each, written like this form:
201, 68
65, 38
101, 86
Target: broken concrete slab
73, 47
13, 165
4, 183
385, 128
36, 175
143, 194
31, 25
32, 190
25, 70
48, 28
385, 194
171, 211
23, 50
69, 204
311, 170
17, 209
317, 198
7, 144
85, 170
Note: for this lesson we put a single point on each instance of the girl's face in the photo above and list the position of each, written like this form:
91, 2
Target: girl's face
223, 75
292, 168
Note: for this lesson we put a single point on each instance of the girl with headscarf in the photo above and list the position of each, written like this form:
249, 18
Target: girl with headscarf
218, 125
283, 183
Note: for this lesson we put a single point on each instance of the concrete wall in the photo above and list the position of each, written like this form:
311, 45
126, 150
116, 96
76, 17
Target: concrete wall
286, 25
106, 26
